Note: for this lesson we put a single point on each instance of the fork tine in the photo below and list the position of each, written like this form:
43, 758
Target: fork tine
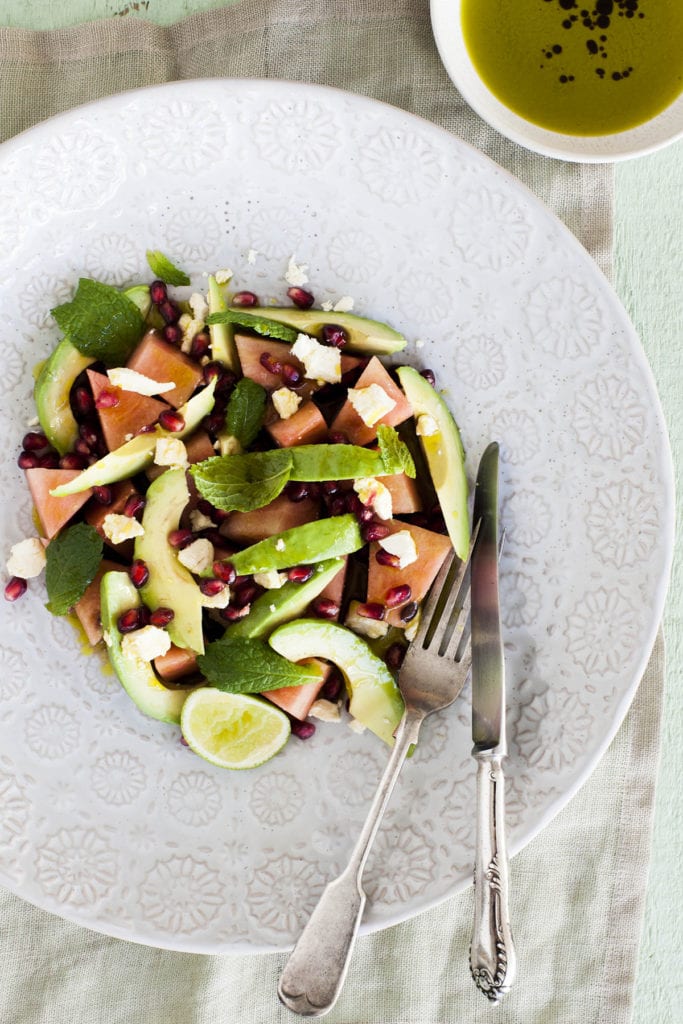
452, 607
442, 595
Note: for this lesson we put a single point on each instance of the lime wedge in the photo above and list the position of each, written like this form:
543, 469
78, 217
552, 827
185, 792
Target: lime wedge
233, 730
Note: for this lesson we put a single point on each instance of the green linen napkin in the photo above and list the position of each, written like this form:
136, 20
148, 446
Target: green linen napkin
578, 888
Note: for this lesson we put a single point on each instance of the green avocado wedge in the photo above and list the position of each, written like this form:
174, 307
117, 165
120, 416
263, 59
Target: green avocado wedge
376, 700
138, 453
117, 595
367, 336
222, 336
445, 456
170, 585
301, 545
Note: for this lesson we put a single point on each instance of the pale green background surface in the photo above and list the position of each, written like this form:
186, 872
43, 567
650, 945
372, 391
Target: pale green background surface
648, 270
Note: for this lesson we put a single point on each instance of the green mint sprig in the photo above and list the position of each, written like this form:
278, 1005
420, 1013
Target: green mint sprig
73, 558
164, 270
100, 321
246, 411
251, 666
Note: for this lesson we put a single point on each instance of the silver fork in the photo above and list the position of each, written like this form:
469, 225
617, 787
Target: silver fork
432, 675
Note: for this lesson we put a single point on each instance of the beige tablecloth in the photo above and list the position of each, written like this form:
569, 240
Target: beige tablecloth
578, 889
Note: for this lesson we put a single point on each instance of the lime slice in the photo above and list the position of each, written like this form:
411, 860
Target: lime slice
232, 730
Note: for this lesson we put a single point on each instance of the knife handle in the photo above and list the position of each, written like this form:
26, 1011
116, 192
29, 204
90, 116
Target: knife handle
492, 953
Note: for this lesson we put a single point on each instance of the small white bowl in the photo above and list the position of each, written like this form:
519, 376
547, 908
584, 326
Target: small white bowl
654, 134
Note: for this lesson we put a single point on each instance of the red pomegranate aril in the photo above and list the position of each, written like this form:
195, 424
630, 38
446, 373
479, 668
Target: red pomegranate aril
224, 571
273, 366
398, 595
336, 505
353, 503
330, 487
171, 420
244, 593
83, 448
408, 612
302, 730
129, 621
296, 491
335, 335
332, 686
201, 344
180, 538
35, 442
383, 557
292, 374
161, 617
300, 297
103, 495
88, 433
138, 572
338, 437
73, 460
148, 428
325, 608
215, 422
211, 587
300, 573
83, 402
15, 588
233, 613
169, 311
364, 514
107, 399
429, 376
374, 531
28, 460
49, 461
371, 610
212, 371
394, 655
134, 505
158, 292
172, 334
244, 299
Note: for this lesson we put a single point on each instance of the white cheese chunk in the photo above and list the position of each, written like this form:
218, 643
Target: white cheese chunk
199, 306
145, 644
325, 711
219, 600
223, 276
296, 275
426, 426
286, 402
170, 451
26, 559
371, 403
372, 628
197, 556
199, 522
344, 305
131, 380
190, 328
271, 580
373, 493
402, 545
252, 255
356, 726
321, 362
118, 528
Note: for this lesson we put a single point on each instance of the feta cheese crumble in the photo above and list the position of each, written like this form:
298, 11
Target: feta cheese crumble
199, 522
190, 328
371, 403
343, 305
286, 402
325, 711
251, 256
118, 528
219, 600
426, 426
170, 451
131, 380
199, 306
197, 556
356, 726
26, 559
321, 362
373, 493
145, 644
296, 273
223, 276
402, 545
270, 580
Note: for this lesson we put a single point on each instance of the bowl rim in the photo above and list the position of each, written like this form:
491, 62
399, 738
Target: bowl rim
654, 134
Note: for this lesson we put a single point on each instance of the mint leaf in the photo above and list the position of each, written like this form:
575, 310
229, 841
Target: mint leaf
395, 453
246, 410
243, 482
162, 268
251, 666
258, 324
101, 321
73, 558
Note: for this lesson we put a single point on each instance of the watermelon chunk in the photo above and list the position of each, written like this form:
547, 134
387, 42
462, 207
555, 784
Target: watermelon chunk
306, 426
53, 512
88, 608
349, 422
432, 549
297, 701
161, 361
132, 412
281, 514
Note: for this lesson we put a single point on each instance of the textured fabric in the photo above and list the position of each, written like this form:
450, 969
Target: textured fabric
577, 888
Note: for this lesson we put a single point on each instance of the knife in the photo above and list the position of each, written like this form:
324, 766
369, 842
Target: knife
492, 954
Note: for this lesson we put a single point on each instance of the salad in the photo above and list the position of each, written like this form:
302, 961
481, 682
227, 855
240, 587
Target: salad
242, 504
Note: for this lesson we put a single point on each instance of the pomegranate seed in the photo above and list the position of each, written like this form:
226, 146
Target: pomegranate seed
158, 292
172, 334
383, 557
171, 420
429, 376
300, 573
216, 538
161, 617
374, 531
73, 460
408, 612
371, 610
128, 621
200, 345
338, 437
211, 587
82, 447
169, 311
336, 506
215, 422
296, 491
15, 588
212, 371
225, 385
244, 299
394, 656
180, 538
303, 730
398, 595
233, 613
103, 495
224, 571
325, 608
83, 402
335, 336
148, 428
145, 615
134, 505
292, 374
273, 366
107, 399
139, 573
244, 593
88, 433
364, 515
300, 297
330, 487
35, 442
49, 461
28, 460
353, 503
333, 686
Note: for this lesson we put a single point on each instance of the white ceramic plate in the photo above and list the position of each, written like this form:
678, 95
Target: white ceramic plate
106, 818
656, 133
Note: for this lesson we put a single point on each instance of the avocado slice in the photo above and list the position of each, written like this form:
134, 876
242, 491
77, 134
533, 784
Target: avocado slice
370, 336
170, 584
222, 335
302, 545
376, 700
136, 454
445, 456
53, 386
277, 606
117, 595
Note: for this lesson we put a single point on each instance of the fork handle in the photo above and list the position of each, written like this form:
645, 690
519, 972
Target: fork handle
314, 974
492, 953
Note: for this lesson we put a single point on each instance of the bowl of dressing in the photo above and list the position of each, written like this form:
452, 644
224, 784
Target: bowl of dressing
593, 81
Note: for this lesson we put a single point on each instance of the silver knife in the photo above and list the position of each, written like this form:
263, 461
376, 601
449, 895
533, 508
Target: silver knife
492, 954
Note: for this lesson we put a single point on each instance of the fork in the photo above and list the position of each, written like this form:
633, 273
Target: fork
433, 673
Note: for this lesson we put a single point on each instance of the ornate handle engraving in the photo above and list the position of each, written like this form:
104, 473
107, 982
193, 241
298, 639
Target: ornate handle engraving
492, 953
